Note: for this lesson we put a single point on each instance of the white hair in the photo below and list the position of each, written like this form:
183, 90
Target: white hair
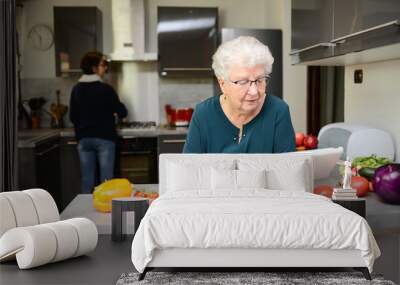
245, 51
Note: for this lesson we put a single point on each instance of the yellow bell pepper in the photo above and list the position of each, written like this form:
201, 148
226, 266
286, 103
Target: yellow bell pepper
106, 191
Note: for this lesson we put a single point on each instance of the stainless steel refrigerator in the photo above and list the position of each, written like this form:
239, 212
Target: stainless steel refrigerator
271, 38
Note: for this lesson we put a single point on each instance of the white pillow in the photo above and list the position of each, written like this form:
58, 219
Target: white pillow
223, 179
236, 179
293, 180
251, 178
186, 175
292, 173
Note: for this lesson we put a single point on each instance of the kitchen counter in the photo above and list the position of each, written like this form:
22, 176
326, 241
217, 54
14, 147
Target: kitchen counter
31, 138
128, 132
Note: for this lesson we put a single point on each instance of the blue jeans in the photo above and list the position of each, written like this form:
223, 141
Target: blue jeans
90, 151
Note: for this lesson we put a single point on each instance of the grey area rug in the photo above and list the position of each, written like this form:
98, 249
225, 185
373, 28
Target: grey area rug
228, 278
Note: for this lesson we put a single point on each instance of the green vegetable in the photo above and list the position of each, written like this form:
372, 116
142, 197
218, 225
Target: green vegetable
367, 172
371, 161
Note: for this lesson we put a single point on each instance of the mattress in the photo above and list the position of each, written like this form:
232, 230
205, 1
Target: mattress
250, 219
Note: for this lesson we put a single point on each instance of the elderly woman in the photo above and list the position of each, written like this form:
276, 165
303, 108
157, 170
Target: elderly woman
243, 119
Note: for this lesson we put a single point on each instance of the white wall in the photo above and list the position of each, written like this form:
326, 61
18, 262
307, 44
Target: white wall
375, 102
294, 76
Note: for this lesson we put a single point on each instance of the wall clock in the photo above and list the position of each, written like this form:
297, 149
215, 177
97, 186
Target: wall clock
41, 37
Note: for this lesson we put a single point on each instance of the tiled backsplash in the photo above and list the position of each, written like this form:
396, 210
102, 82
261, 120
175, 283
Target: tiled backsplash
46, 88
182, 92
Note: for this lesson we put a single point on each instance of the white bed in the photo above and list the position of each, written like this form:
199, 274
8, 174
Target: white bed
220, 211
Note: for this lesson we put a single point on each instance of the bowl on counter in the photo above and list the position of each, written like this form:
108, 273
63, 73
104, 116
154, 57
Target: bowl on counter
179, 117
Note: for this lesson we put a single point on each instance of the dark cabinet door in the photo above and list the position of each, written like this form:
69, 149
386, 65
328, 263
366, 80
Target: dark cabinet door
70, 170
77, 30
312, 28
352, 16
39, 167
186, 51
48, 170
171, 143
355, 16
26, 168
311, 22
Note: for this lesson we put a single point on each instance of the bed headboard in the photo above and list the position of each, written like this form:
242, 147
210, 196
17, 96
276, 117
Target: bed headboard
320, 161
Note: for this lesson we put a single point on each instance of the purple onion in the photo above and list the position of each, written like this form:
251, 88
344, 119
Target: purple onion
387, 183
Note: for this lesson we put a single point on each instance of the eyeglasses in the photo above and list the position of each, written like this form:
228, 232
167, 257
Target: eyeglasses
245, 83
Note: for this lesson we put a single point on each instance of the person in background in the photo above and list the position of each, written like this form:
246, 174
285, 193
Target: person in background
93, 107
244, 119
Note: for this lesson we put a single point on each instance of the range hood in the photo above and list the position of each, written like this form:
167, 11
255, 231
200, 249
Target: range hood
128, 30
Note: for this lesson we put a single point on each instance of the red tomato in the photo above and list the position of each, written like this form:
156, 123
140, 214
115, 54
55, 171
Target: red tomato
310, 142
324, 189
361, 184
299, 139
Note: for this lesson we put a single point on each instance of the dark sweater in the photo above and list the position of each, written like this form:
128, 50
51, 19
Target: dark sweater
92, 109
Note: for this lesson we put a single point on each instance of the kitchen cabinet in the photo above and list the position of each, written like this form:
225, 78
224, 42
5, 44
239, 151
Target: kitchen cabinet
70, 170
312, 31
186, 51
352, 16
77, 30
39, 167
171, 143
356, 16
329, 29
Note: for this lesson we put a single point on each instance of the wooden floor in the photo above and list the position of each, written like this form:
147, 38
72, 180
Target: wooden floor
102, 266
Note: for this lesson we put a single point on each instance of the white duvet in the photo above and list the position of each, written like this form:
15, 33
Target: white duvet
253, 218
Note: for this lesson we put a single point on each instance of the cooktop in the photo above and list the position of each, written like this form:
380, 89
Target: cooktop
137, 125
